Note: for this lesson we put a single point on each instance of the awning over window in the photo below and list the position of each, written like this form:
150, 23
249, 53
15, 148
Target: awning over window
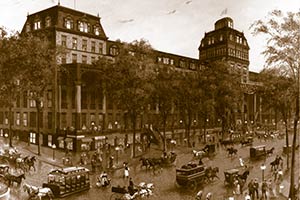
100, 138
60, 138
68, 140
86, 140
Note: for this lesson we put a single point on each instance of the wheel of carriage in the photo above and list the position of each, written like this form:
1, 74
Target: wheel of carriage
192, 185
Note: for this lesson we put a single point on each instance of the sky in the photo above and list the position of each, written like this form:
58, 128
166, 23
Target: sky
173, 26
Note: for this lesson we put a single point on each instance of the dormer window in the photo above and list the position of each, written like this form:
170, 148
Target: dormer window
37, 25
114, 50
83, 26
221, 37
96, 30
48, 22
68, 23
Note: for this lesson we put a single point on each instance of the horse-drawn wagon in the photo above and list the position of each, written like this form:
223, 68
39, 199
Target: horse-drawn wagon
236, 175
67, 181
258, 152
190, 176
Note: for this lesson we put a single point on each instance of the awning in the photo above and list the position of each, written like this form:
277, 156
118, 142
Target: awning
68, 140
100, 138
60, 138
86, 140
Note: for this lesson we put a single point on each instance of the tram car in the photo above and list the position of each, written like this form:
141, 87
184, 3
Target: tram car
67, 181
258, 152
190, 176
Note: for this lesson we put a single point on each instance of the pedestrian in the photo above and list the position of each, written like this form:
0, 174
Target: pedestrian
255, 187
275, 173
247, 196
280, 175
242, 164
126, 172
251, 189
199, 195
264, 188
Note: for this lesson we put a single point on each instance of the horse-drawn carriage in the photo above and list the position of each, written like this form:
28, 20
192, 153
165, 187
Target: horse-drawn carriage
235, 174
258, 152
246, 141
67, 181
190, 177
9, 155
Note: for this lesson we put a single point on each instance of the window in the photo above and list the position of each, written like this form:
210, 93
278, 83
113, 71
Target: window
25, 120
64, 41
182, 64
192, 66
231, 37
49, 120
171, 62
113, 50
209, 41
84, 59
83, 115
32, 137
37, 25
47, 22
68, 23
212, 40
32, 103
93, 59
74, 43
64, 119
84, 45
93, 46
28, 28
63, 98
32, 117
159, 59
83, 26
100, 48
166, 61
93, 100
6, 118
74, 58
49, 140
18, 117
96, 30
63, 58
221, 37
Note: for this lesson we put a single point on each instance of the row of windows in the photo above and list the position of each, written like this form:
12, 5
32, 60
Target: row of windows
37, 24
86, 45
82, 26
181, 64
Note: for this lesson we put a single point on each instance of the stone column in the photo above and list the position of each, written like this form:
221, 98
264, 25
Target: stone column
78, 105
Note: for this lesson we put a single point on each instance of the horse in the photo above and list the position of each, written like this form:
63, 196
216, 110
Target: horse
30, 162
145, 162
274, 164
200, 154
155, 162
244, 175
14, 179
232, 151
270, 151
20, 163
37, 193
211, 173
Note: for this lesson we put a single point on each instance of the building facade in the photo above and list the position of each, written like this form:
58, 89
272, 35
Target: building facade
76, 113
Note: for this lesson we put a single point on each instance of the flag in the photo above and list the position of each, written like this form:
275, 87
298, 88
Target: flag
224, 12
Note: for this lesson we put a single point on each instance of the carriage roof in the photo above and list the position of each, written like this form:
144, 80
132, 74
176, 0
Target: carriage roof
259, 147
231, 171
69, 170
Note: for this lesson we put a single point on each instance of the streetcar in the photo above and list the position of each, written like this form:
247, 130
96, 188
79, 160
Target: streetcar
67, 181
191, 176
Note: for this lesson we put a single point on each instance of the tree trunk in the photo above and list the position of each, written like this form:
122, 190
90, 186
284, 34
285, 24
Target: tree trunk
296, 120
164, 139
287, 144
10, 126
38, 106
133, 120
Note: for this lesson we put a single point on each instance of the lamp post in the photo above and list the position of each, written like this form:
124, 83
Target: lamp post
195, 122
263, 167
53, 148
117, 152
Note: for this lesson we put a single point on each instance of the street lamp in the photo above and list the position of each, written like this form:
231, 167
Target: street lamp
263, 167
116, 124
53, 147
117, 152
195, 121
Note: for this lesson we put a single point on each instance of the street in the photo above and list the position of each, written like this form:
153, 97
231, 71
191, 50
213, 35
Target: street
164, 181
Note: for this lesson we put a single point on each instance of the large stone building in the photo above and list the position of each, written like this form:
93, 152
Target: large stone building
228, 44
75, 104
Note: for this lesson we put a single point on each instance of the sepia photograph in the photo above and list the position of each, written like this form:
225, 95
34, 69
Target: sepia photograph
154, 100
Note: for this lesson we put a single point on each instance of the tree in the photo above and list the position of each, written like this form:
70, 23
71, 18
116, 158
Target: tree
163, 94
39, 65
187, 99
283, 51
222, 89
127, 79
278, 94
11, 73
